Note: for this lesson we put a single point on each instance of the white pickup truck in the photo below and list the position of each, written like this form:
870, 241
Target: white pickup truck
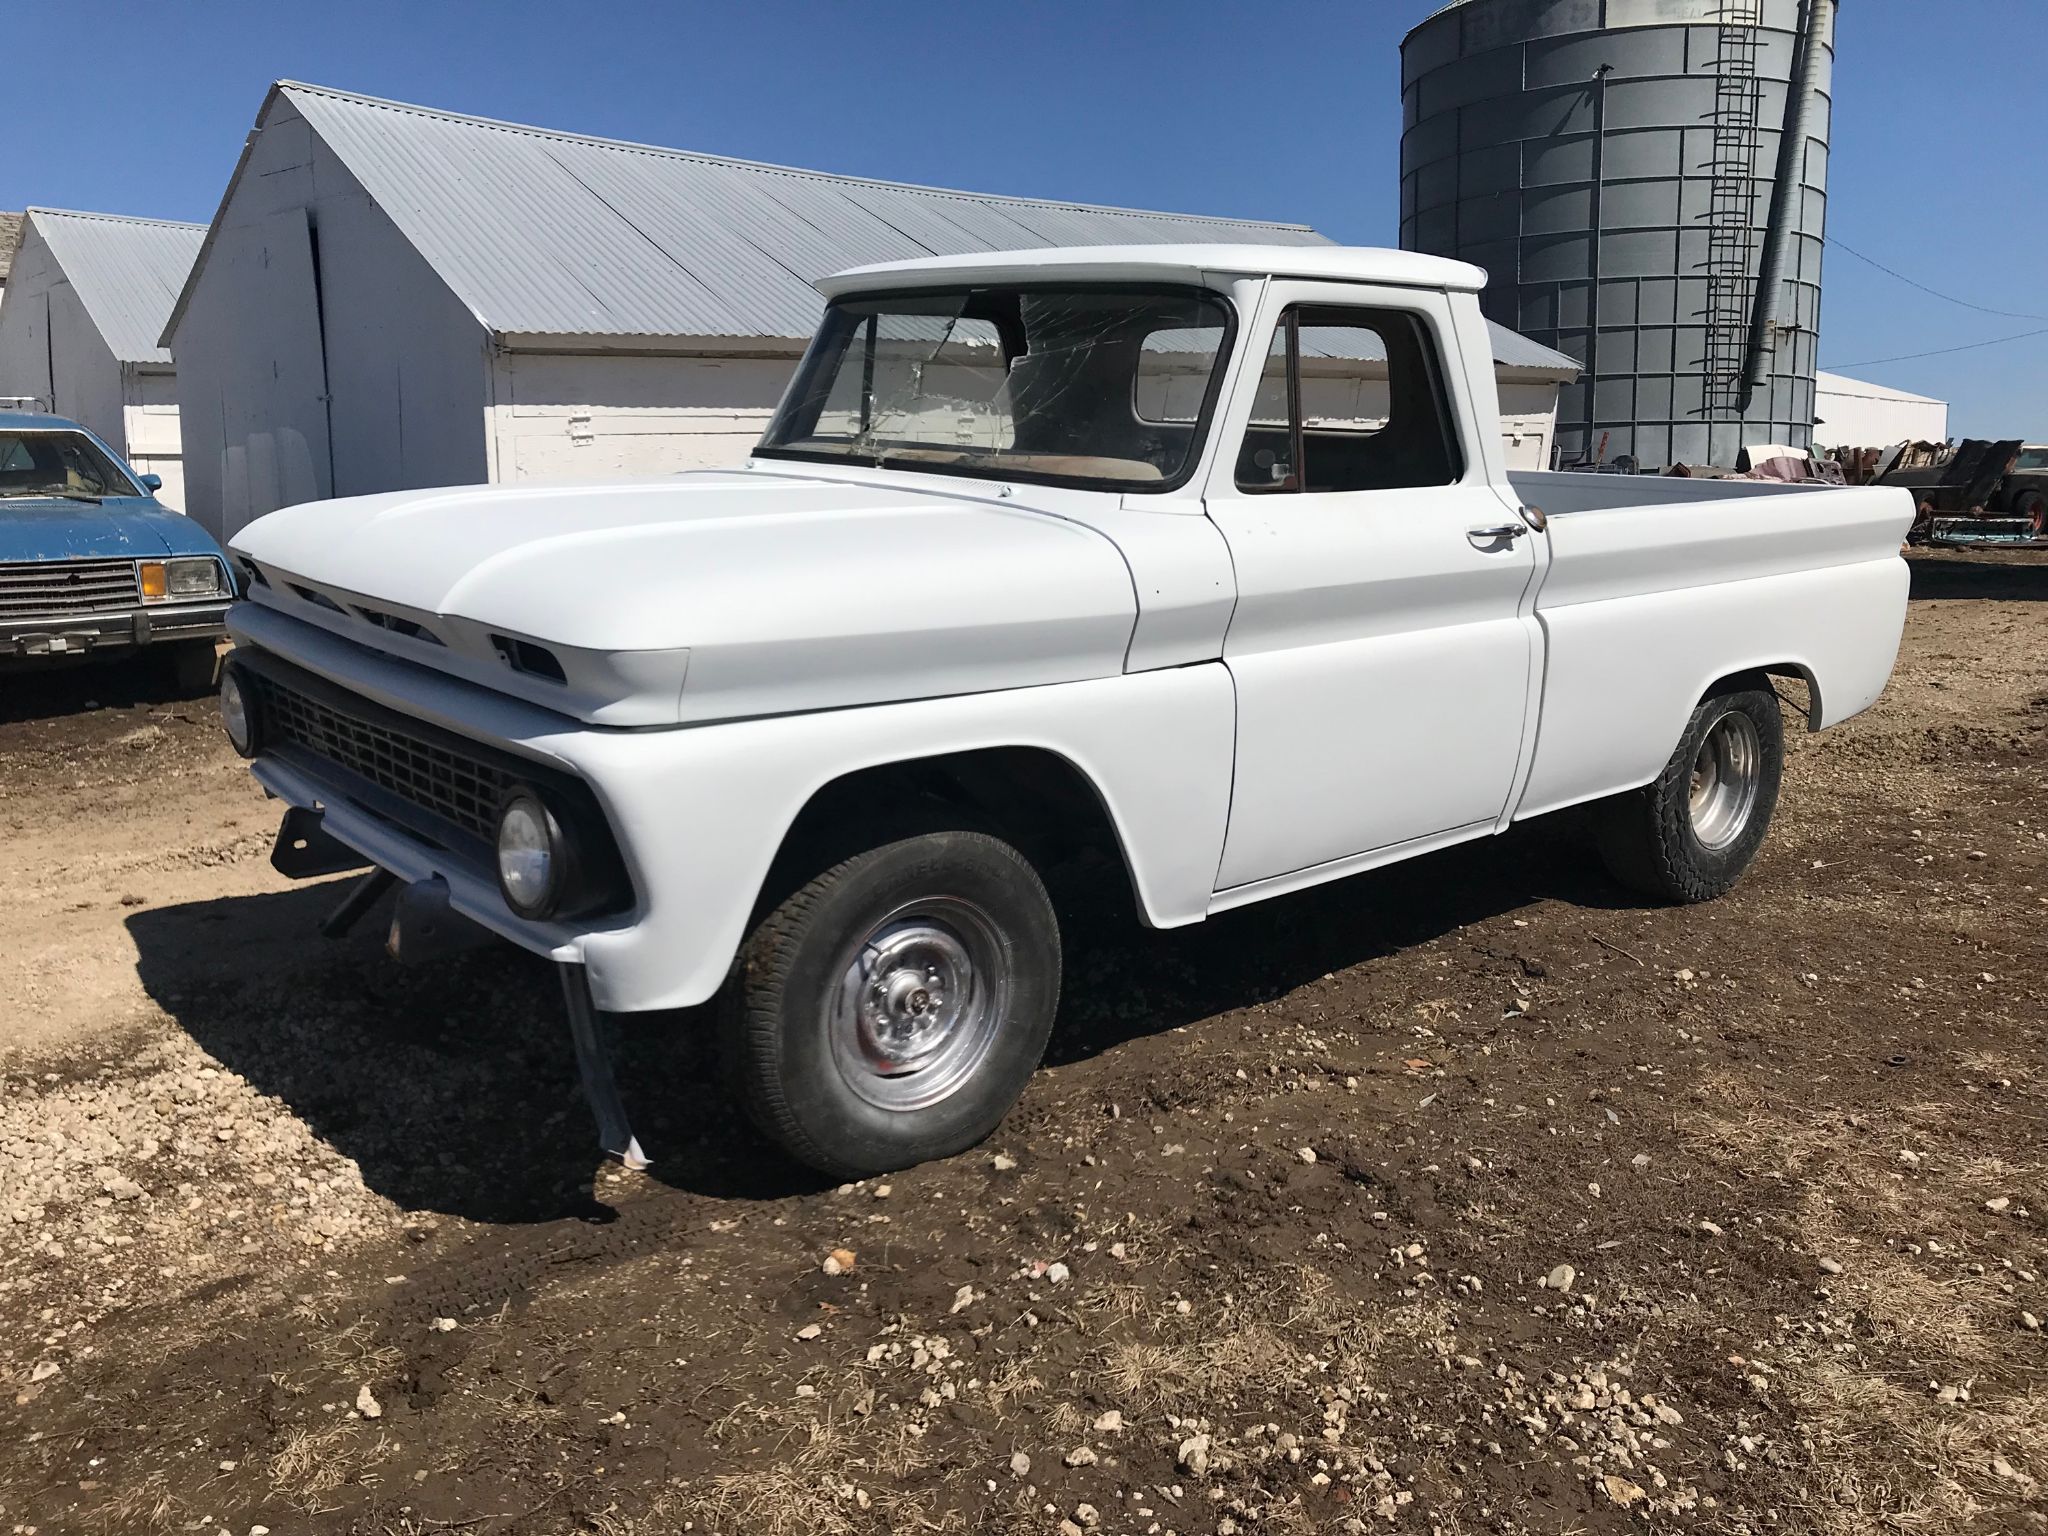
1201, 556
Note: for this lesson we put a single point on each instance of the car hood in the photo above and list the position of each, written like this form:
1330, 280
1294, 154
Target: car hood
120, 527
767, 592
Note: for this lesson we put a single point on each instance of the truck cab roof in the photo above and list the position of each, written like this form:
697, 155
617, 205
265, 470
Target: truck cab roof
1169, 263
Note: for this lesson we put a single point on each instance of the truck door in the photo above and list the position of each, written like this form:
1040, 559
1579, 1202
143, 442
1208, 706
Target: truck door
1382, 646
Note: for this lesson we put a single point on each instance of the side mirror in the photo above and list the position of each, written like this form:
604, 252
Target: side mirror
151, 483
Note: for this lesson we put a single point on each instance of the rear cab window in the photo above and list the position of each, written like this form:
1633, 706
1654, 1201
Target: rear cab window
1349, 399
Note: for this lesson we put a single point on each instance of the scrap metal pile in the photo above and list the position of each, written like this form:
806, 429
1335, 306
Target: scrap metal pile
1972, 492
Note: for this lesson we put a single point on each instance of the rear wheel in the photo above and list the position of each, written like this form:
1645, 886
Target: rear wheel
1689, 834
892, 1009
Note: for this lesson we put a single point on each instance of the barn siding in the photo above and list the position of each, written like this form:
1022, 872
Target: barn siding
568, 415
373, 380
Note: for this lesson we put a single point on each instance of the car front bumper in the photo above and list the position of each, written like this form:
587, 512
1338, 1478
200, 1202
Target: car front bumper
77, 634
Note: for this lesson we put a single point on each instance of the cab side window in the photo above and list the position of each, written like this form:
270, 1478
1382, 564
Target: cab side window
1349, 400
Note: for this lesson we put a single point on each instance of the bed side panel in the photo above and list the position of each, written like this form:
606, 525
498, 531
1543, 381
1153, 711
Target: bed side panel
1645, 607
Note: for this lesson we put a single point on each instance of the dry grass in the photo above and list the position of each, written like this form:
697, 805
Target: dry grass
349, 1354
313, 1462
1878, 1451
826, 1487
1889, 1457
1183, 1376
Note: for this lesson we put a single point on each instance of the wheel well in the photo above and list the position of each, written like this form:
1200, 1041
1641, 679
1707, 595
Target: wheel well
1809, 707
1033, 798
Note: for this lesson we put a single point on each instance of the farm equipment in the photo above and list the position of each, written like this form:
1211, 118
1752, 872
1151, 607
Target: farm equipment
1975, 492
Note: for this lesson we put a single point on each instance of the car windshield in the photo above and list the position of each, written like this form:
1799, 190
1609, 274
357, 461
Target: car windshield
1105, 388
58, 463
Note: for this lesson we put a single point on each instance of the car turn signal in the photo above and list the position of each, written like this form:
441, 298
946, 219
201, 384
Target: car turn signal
154, 583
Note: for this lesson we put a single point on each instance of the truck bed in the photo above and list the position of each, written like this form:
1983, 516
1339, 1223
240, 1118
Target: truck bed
1562, 491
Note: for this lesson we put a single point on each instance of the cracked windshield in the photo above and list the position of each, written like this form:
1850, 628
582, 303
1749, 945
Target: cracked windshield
1081, 386
62, 464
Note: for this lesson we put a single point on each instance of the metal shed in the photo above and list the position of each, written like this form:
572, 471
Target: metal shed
391, 296
1851, 413
86, 299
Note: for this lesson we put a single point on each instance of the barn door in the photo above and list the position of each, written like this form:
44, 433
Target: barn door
282, 439
32, 359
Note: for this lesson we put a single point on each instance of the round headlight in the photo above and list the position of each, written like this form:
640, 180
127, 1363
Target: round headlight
531, 857
237, 711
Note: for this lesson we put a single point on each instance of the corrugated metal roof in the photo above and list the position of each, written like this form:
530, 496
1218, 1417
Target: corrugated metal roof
1862, 389
127, 272
559, 234
570, 236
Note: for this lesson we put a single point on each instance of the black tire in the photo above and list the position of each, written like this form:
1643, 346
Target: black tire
806, 1058
193, 666
1654, 840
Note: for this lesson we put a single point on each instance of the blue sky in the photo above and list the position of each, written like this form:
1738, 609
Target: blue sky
1278, 110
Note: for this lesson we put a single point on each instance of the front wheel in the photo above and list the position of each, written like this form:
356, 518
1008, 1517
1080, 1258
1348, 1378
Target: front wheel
892, 1009
1689, 834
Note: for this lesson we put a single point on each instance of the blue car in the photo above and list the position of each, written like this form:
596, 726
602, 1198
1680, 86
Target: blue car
92, 563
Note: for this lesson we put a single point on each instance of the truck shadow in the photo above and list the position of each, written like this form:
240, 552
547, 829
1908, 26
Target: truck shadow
2021, 576
453, 1087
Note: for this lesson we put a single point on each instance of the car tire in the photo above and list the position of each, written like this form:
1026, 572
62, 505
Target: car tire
891, 1009
1689, 834
2033, 506
193, 665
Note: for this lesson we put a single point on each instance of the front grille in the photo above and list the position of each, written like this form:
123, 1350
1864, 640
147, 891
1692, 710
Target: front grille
67, 588
458, 787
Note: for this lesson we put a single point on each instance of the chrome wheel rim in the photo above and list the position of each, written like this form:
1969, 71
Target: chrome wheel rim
920, 999
1725, 777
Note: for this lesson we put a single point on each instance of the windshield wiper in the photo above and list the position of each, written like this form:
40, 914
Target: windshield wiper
94, 497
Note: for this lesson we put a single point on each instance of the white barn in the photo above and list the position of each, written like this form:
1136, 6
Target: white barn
86, 300
1848, 413
391, 296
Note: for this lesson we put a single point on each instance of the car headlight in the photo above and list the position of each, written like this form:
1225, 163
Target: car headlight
533, 856
168, 580
194, 578
238, 713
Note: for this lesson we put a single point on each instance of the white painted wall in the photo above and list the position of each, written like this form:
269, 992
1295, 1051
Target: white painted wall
318, 353
563, 415
1853, 414
150, 420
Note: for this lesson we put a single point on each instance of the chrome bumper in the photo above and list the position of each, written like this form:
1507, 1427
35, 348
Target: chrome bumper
75, 634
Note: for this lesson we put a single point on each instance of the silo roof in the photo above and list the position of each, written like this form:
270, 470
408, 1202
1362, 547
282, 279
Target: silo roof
127, 272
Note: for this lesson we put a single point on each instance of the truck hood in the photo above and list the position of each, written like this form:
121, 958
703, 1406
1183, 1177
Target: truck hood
118, 528
708, 595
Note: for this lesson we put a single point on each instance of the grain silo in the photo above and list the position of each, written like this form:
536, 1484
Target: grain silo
1645, 182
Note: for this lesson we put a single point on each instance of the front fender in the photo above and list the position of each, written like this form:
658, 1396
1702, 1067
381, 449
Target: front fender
702, 813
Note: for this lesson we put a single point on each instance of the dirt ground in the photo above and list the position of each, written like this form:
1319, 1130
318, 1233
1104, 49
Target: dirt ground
1466, 1196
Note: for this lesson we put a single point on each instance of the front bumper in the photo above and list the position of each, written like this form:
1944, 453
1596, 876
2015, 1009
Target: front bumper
79, 634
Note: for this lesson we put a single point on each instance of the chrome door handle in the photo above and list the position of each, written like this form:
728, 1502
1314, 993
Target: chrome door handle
1498, 534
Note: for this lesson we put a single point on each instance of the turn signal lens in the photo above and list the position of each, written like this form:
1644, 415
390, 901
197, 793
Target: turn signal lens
154, 582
